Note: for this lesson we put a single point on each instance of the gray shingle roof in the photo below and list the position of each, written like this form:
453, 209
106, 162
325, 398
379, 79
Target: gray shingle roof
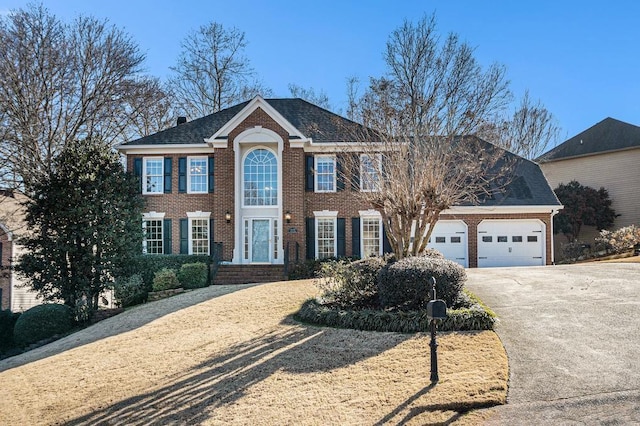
314, 122
608, 135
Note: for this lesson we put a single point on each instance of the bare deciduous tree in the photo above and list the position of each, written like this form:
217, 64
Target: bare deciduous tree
319, 98
62, 82
528, 132
420, 158
212, 72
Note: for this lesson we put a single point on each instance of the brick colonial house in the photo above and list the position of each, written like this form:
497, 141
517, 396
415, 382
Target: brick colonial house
259, 183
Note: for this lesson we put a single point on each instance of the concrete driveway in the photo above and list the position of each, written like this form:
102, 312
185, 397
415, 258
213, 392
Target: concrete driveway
572, 335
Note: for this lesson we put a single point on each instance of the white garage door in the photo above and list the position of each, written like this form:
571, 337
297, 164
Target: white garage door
511, 242
449, 237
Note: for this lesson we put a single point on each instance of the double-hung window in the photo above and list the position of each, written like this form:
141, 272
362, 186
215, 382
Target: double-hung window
325, 173
370, 169
199, 232
371, 235
326, 241
197, 176
152, 172
152, 227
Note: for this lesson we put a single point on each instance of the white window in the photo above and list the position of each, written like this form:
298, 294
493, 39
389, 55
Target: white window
371, 235
197, 175
260, 178
325, 175
152, 227
153, 174
370, 168
198, 232
325, 237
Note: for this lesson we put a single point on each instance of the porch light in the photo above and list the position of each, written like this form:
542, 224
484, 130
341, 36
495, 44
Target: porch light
287, 216
227, 217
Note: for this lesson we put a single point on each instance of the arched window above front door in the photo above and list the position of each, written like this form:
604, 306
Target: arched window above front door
260, 174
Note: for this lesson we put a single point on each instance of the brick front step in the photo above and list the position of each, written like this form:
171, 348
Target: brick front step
243, 274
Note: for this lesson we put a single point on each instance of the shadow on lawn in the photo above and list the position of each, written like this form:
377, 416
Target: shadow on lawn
129, 320
224, 379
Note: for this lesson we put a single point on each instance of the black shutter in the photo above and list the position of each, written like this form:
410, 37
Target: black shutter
137, 170
339, 173
184, 236
341, 234
386, 246
0, 262
355, 236
311, 237
211, 169
166, 236
211, 244
167, 175
355, 173
182, 174
308, 159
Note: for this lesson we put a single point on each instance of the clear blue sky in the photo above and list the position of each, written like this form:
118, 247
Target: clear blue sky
581, 58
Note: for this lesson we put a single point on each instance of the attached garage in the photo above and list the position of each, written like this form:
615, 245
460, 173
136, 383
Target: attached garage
449, 237
511, 242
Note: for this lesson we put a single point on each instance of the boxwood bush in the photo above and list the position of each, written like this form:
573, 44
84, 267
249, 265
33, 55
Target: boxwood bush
405, 284
42, 322
130, 291
193, 275
165, 279
148, 265
351, 283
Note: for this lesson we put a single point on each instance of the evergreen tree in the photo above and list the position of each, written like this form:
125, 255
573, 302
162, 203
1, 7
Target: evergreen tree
583, 205
84, 222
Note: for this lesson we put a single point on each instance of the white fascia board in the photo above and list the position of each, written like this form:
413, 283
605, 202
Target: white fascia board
165, 149
341, 146
258, 102
501, 209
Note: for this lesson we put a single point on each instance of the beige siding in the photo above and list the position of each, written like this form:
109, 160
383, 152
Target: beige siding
618, 172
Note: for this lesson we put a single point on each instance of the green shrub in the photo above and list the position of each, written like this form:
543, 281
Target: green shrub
351, 283
7, 323
193, 275
431, 252
42, 322
474, 317
405, 284
165, 279
148, 265
130, 291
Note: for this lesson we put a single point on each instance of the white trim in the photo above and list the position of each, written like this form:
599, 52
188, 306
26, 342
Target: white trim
551, 210
198, 215
160, 149
325, 213
7, 232
152, 215
144, 175
378, 217
253, 105
278, 174
315, 174
370, 212
206, 174
337, 147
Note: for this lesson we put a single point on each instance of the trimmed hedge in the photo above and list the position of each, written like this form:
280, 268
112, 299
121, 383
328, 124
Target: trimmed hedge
193, 275
165, 279
351, 283
476, 317
405, 283
7, 323
42, 322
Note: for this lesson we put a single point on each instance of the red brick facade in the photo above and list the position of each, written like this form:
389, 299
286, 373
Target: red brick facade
299, 203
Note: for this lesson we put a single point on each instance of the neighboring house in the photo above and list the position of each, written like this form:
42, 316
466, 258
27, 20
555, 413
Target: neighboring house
13, 294
259, 182
605, 155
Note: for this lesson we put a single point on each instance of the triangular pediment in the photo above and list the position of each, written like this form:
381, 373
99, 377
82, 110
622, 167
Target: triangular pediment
222, 135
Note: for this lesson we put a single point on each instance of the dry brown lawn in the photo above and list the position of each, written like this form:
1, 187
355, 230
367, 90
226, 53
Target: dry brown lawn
207, 357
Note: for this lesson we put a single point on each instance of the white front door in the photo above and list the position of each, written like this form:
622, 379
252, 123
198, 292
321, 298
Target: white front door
260, 240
